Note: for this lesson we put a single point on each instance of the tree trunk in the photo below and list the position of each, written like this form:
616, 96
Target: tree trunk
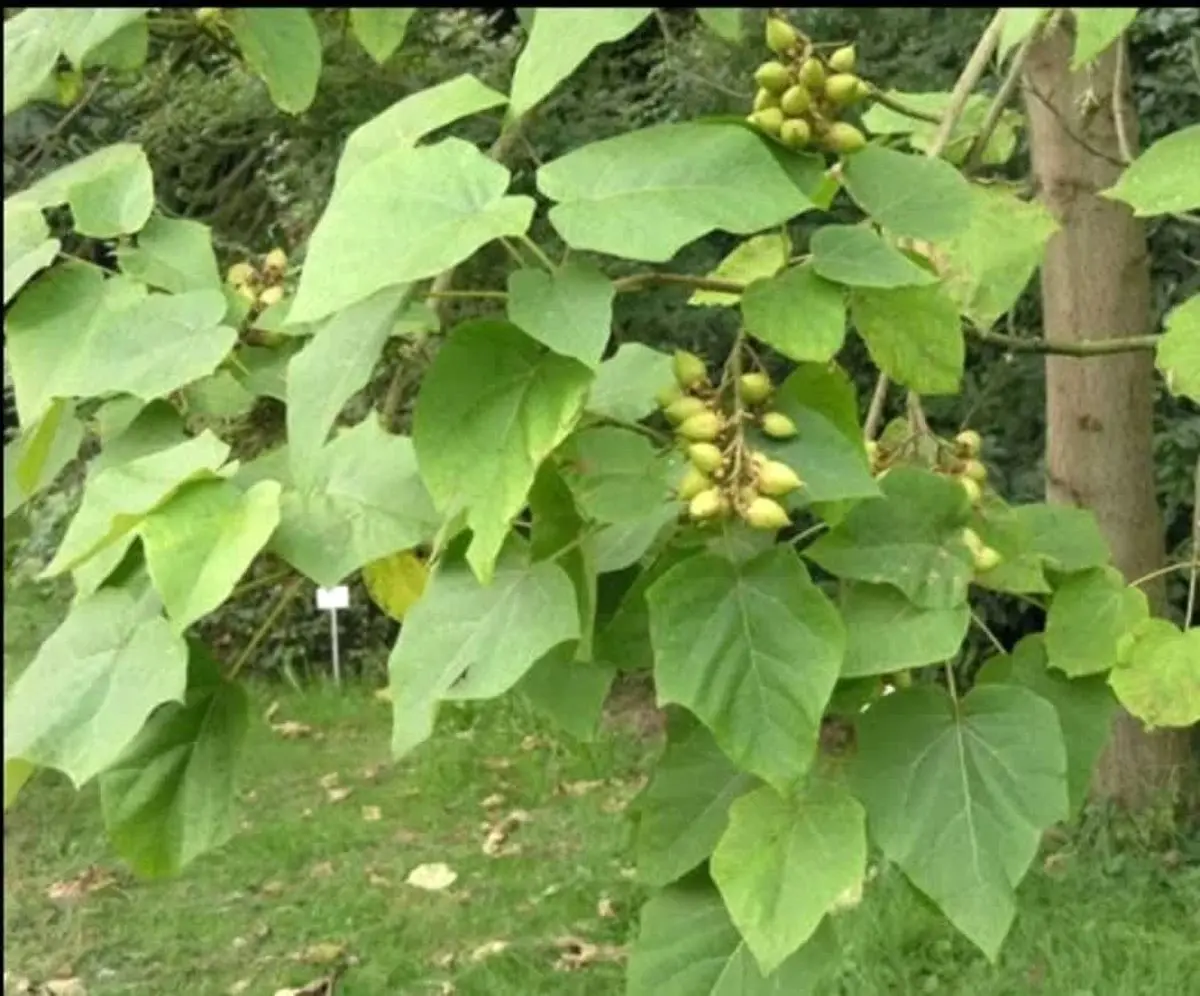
1099, 410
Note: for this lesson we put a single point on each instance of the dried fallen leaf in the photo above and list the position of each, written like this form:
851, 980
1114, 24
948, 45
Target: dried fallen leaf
338, 794
322, 953
322, 869
433, 877
272, 888
445, 959
582, 787
377, 880
289, 729
605, 909
318, 987
576, 953
497, 763
532, 742
495, 843
91, 879
372, 814
330, 780
372, 772
493, 801
239, 987
271, 711
383, 694
65, 987
487, 949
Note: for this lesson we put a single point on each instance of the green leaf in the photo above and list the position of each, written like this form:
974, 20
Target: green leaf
622, 544
1159, 679
882, 120
857, 257
91, 686
914, 336
1096, 28
492, 407
31, 47
827, 450
483, 637
426, 210
755, 259
263, 371
119, 497
559, 535
110, 192
1162, 179
987, 267
362, 501
1178, 354
1090, 614
202, 540
124, 51
569, 310
616, 475
27, 245
725, 22
783, 863
887, 633
682, 812
561, 38
687, 946
958, 795
1067, 539
726, 638
570, 692
409, 120
150, 428
910, 539
1085, 708
1019, 23
218, 396
171, 796
173, 254
334, 366
798, 313
646, 194
1010, 534
83, 29
910, 195
41, 452
627, 382
282, 46
380, 30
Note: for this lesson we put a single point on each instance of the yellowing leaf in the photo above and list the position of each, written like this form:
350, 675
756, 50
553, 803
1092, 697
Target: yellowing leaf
396, 582
755, 259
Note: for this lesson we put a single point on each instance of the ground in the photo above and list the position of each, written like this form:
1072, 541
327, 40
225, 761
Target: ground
535, 829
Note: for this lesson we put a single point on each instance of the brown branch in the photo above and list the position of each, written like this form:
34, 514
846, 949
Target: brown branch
1095, 347
1068, 131
61, 124
639, 280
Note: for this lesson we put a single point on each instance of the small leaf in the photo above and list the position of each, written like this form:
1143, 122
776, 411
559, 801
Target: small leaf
31, 47
726, 638
1178, 355
1096, 28
569, 310
616, 475
910, 195
380, 30
172, 254
1159, 680
798, 313
1067, 539
84, 29
1162, 179
627, 382
914, 336
570, 692
40, 454
755, 259
725, 22
983, 778
1019, 23
396, 582
561, 38
1089, 615
282, 46
888, 633
171, 795
646, 194
857, 257
28, 247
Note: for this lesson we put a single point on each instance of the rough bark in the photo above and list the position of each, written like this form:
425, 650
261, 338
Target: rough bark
1096, 284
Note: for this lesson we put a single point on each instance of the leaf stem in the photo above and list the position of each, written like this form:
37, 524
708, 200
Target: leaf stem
539, 253
899, 107
268, 624
258, 583
988, 632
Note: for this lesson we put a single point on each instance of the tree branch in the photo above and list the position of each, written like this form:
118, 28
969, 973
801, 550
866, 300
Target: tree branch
1097, 347
1120, 81
1007, 88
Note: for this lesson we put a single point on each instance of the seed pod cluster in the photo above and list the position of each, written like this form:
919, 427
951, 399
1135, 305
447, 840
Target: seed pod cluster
262, 286
724, 477
958, 459
801, 97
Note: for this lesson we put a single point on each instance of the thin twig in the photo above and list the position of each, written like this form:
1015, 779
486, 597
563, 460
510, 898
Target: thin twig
258, 583
1189, 614
1096, 347
880, 97
268, 624
992, 119
988, 632
1182, 565
538, 252
62, 123
639, 280
875, 410
1066, 127
1119, 110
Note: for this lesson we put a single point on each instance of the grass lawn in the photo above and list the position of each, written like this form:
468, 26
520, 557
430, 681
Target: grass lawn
317, 876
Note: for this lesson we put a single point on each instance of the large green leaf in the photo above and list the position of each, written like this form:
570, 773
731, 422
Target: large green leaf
622, 544
492, 407
882, 120
1158, 679
200, 541
784, 861
886, 632
914, 336
124, 51
616, 475
119, 497
857, 257
1163, 178
757, 258
380, 30
1090, 614
910, 539
409, 120
627, 382
171, 795
1096, 28
683, 810
914, 196
958, 795
1067, 539
1085, 707
559, 534
331, 369
484, 636
35, 458
687, 946
1178, 355
173, 254
282, 46
800, 314
987, 267
362, 501
569, 310
723, 21
91, 686
569, 692
646, 194
1010, 534
27, 245
83, 29
561, 38
402, 217
754, 650
31, 47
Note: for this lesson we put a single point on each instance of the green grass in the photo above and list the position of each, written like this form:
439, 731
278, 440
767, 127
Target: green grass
1106, 917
